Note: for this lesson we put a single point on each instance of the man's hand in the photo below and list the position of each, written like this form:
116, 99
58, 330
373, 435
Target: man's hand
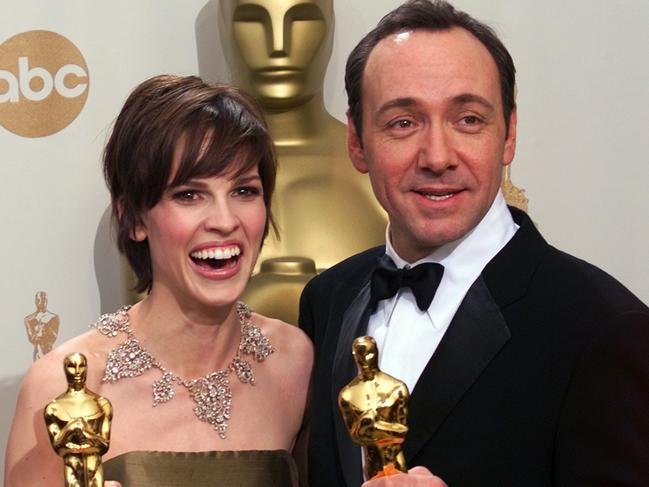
416, 477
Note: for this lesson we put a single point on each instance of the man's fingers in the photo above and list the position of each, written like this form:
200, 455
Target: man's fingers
423, 473
416, 477
420, 471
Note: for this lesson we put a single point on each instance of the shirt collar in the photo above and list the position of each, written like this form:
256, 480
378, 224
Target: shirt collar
464, 259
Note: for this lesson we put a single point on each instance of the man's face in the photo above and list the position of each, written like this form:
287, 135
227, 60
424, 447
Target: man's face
434, 140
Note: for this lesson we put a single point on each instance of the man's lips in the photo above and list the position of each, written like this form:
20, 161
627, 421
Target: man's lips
438, 194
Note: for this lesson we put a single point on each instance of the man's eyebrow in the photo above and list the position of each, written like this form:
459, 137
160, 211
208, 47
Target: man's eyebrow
396, 103
406, 102
473, 98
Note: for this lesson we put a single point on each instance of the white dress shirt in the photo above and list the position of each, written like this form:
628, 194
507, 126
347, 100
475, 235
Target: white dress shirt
406, 336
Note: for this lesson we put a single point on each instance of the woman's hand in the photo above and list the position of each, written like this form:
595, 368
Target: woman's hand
112, 483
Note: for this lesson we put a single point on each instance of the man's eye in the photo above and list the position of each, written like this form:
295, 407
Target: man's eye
471, 120
401, 124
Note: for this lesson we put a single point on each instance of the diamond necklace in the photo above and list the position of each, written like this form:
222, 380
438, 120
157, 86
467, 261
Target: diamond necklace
211, 393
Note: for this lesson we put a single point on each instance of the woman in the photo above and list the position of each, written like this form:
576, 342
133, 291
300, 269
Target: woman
191, 170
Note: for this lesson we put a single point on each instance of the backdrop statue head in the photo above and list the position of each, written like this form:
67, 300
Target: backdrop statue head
278, 49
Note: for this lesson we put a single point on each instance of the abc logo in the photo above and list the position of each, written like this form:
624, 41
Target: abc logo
44, 83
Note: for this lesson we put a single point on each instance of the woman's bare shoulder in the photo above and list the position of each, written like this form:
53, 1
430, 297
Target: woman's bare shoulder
287, 339
46, 377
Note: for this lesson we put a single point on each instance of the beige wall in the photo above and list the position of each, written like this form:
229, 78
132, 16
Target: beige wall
583, 100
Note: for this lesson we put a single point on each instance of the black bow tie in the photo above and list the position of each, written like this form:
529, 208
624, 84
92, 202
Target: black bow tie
422, 280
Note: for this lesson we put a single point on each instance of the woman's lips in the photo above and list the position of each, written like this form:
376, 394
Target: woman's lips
217, 262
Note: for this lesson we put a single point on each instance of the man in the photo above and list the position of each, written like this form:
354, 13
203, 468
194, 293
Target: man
529, 367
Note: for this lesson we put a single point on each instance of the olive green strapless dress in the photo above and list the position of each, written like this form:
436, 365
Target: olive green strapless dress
203, 469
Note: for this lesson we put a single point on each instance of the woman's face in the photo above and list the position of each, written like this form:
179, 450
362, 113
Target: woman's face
204, 237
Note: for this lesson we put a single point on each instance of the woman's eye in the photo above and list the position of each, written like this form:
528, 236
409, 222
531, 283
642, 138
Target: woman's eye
247, 191
185, 195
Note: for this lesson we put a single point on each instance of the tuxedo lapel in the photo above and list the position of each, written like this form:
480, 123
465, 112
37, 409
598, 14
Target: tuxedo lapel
354, 324
474, 337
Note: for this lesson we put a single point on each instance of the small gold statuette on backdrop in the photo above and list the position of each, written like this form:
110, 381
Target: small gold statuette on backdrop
78, 423
42, 326
374, 406
514, 196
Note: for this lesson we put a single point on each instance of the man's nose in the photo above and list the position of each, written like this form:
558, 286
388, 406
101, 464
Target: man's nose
436, 153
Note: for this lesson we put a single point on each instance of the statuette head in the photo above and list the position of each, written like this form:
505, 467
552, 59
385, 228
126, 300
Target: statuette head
278, 49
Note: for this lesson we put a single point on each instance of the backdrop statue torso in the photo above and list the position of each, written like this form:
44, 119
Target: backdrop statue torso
278, 50
324, 208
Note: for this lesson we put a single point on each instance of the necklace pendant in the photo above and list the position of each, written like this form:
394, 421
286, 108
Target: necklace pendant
254, 343
110, 324
244, 370
163, 390
127, 360
211, 394
213, 398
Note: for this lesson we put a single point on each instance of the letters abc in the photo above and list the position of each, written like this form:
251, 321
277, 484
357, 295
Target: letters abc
57, 82
44, 83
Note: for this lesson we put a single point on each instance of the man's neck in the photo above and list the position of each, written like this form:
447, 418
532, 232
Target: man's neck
495, 229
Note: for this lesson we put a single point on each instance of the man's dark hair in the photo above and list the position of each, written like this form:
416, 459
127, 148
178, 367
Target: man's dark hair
220, 131
432, 15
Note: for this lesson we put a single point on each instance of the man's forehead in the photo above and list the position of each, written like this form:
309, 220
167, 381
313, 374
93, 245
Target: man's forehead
414, 62
453, 38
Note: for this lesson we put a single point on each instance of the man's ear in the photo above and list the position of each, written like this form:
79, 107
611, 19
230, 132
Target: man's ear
510, 142
355, 147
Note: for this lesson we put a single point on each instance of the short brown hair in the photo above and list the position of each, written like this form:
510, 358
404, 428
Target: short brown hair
432, 15
223, 131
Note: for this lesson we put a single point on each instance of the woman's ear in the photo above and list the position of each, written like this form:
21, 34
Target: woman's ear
138, 232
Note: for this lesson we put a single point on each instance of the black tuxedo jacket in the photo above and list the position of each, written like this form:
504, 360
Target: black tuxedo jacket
542, 378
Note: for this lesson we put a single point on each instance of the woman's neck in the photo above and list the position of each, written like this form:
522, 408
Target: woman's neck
190, 341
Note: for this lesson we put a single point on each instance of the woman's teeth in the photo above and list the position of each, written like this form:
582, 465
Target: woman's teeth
217, 253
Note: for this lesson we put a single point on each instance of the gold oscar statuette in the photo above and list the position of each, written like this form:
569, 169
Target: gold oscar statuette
78, 423
374, 406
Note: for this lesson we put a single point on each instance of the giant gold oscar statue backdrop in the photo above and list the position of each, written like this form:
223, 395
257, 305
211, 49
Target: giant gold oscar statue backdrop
278, 50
